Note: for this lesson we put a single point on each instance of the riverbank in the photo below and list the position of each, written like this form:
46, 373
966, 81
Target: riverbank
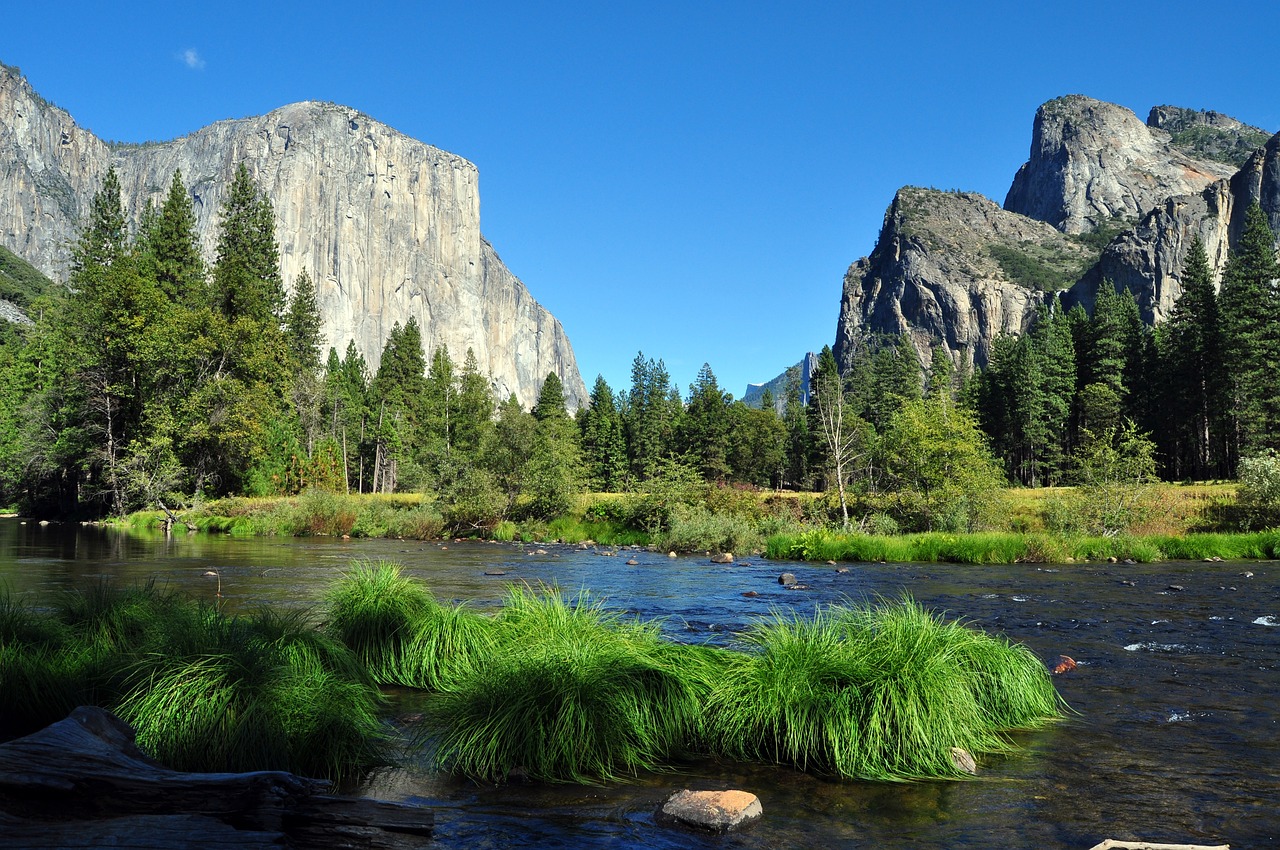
781, 526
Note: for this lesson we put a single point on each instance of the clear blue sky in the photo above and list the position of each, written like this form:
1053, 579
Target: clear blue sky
689, 179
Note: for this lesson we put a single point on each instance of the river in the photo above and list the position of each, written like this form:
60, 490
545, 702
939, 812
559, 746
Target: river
1175, 735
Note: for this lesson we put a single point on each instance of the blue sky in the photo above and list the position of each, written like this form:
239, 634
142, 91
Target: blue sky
690, 180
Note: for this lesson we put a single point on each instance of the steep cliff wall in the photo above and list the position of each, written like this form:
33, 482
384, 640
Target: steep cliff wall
1092, 162
387, 226
1148, 258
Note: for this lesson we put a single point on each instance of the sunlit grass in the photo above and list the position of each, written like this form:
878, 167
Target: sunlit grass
572, 693
881, 692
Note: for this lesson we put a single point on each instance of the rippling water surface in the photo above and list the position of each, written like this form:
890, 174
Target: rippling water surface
1177, 694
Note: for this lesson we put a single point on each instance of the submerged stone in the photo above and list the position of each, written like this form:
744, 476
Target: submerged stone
717, 811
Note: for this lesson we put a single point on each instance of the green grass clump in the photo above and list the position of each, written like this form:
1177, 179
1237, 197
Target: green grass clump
572, 693
375, 611
261, 693
205, 691
881, 692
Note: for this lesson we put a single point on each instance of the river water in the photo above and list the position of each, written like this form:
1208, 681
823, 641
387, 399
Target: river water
1175, 735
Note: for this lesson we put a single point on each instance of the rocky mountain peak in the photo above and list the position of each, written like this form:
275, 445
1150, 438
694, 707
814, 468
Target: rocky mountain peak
954, 268
1093, 163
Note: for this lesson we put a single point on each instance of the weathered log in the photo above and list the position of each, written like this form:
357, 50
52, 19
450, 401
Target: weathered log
1120, 844
86, 775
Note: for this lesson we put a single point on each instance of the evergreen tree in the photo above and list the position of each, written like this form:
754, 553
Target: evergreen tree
604, 450
1250, 307
302, 325
550, 404
396, 407
650, 417
104, 238
246, 277
174, 247
1193, 376
705, 426
474, 419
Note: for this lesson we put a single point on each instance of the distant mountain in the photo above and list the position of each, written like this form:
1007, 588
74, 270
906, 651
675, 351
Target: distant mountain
1103, 196
388, 227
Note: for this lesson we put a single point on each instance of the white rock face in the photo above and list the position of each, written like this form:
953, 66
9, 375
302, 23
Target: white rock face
387, 226
1093, 161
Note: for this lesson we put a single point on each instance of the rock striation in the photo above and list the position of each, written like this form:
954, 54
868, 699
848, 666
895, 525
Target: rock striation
1093, 162
954, 268
387, 226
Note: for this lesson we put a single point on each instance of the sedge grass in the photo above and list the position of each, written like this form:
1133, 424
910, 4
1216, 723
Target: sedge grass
880, 692
573, 693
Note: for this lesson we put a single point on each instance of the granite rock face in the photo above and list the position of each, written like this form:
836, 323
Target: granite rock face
387, 226
1093, 162
952, 268
1147, 259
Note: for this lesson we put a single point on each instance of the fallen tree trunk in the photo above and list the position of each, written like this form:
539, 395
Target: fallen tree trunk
83, 782
1117, 844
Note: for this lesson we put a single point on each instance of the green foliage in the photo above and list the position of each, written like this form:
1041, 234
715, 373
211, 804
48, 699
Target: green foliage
1115, 474
1250, 307
574, 693
205, 691
1258, 493
20, 282
1218, 143
693, 528
1036, 267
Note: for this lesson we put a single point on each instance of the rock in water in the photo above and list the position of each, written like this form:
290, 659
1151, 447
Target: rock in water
388, 227
717, 811
963, 760
722, 558
787, 579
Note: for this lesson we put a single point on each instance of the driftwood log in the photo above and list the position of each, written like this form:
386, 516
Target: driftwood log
83, 782
1116, 844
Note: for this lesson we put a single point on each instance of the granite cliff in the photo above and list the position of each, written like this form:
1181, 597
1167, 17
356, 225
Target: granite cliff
1103, 196
388, 227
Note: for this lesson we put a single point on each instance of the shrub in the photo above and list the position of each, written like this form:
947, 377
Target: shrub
692, 528
1258, 492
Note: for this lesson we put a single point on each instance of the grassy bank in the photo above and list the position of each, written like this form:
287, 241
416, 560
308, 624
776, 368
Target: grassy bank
1008, 548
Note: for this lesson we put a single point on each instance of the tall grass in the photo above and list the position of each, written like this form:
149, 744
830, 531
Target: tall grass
398, 630
205, 691
880, 692
573, 693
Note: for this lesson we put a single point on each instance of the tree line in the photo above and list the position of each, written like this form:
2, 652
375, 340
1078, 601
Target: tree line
1202, 386
156, 378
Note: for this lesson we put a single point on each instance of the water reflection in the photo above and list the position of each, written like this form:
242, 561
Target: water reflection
1175, 738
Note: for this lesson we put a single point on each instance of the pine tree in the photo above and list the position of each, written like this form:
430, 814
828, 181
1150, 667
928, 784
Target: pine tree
175, 248
246, 277
302, 325
550, 404
1193, 375
1250, 309
104, 238
704, 436
603, 447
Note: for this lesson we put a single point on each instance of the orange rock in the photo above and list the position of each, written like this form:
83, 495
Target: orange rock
1065, 664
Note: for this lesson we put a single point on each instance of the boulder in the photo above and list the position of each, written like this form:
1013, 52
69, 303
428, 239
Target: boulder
716, 811
722, 558
787, 579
